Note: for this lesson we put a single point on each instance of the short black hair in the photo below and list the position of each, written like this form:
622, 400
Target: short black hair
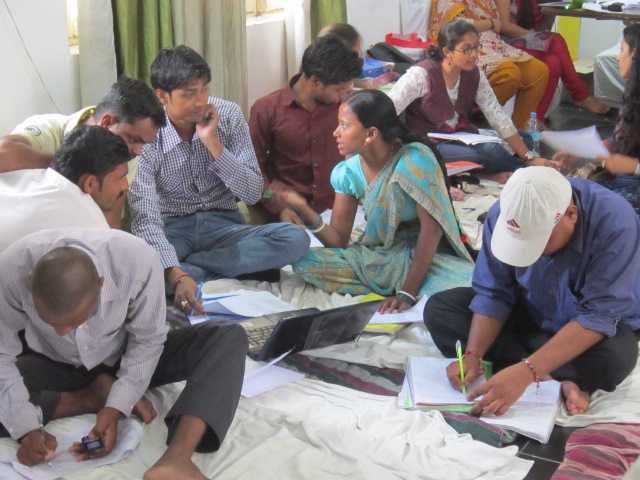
176, 67
344, 31
331, 61
90, 150
130, 100
63, 278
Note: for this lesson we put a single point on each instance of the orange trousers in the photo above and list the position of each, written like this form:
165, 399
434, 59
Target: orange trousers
526, 80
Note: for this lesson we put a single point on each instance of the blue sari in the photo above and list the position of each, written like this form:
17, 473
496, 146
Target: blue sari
380, 260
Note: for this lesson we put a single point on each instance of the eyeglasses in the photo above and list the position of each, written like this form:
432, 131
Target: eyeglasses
469, 50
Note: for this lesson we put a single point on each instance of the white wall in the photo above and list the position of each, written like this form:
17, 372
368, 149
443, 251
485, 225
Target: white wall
266, 55
42, 24
598, 35
374, 19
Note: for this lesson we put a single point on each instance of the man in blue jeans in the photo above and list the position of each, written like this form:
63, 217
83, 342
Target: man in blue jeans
183, 199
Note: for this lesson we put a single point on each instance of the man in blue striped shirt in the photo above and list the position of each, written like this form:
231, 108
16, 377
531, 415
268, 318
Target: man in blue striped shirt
183, 199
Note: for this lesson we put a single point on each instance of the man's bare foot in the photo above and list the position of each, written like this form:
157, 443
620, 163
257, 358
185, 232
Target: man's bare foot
144, 410
173, 468
576, 400
594, 105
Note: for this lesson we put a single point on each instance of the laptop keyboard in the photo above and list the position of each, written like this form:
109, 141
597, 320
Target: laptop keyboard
258, 337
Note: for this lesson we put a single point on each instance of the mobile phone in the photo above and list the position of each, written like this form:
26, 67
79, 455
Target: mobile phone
91, 446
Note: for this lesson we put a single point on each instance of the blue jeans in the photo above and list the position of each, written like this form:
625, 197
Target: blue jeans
492, 156
217, 244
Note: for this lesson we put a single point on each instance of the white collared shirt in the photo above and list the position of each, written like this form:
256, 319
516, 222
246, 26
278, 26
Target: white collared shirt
37, 199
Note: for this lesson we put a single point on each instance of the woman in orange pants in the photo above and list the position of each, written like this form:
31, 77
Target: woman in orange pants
510, 71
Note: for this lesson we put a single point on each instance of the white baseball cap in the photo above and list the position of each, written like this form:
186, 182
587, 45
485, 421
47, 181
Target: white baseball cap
532, 203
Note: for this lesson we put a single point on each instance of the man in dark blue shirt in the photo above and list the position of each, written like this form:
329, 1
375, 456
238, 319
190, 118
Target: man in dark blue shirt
555, 292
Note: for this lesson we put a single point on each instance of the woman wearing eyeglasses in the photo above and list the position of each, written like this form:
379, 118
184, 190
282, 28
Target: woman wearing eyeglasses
439, 93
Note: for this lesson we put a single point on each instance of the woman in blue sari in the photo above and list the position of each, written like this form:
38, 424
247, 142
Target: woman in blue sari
402, 187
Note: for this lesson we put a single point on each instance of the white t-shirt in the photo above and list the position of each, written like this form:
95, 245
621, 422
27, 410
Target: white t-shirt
39, 199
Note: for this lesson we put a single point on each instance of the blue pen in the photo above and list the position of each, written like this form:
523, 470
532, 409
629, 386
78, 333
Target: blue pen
198, 296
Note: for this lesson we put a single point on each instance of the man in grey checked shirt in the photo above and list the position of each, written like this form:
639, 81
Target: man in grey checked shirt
92, 307
184, 197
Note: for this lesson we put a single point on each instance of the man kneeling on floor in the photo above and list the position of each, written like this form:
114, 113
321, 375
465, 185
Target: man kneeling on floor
555, 293
92, 307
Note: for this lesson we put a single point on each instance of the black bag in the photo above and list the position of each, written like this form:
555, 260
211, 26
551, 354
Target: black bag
388, 53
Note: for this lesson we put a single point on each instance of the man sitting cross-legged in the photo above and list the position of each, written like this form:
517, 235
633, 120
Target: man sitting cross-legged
555, 293
184, 199
92, 307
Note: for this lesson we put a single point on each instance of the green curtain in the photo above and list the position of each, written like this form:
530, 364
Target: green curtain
141, 28
324, 12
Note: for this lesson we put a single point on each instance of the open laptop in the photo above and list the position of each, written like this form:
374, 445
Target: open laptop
272, 335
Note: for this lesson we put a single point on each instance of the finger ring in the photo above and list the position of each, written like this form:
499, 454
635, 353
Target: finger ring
184, 303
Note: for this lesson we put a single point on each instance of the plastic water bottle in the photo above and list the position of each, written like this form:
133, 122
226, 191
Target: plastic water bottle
533, 131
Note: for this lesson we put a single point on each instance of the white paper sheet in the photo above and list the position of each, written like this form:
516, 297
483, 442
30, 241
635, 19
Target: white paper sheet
130, 434
583, 143
412, 315
268, 377
466, 138
241, 304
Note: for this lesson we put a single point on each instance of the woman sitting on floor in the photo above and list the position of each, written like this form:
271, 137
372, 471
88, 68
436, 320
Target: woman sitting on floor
510, 71
439, 93
522, 18
403, 188
622, 167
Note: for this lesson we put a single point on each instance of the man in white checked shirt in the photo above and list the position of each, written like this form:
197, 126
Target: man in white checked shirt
184, 197
92, 307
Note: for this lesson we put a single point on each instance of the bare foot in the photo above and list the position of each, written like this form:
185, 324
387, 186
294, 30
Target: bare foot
575, 399
594, 105
174, 468
144, 410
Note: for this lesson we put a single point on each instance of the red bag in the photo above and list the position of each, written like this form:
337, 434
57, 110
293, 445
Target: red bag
411, 45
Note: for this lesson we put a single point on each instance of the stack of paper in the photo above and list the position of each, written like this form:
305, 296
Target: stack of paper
466, 138
411, 315
462, 166
426, 386
238, 305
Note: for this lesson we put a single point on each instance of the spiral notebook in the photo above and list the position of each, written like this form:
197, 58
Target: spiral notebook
426, 387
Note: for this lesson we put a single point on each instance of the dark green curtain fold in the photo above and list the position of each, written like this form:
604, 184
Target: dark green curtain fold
324, 12
141, 29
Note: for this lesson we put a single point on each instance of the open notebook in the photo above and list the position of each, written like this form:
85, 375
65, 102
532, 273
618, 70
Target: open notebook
426, 387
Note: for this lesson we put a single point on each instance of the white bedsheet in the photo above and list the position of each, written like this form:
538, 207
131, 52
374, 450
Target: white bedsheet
313, 430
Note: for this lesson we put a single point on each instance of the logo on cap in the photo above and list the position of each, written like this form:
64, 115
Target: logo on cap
557, 218
513, 225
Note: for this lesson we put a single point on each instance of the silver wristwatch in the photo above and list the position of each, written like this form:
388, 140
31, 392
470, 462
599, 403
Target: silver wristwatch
530, 155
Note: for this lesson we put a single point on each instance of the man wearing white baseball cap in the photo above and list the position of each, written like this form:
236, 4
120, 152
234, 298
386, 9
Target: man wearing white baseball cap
555, 293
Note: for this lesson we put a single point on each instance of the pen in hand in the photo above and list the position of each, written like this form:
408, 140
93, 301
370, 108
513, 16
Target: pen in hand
461, 365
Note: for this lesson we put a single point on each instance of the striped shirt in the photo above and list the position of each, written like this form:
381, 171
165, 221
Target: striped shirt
129, 324
177, 178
